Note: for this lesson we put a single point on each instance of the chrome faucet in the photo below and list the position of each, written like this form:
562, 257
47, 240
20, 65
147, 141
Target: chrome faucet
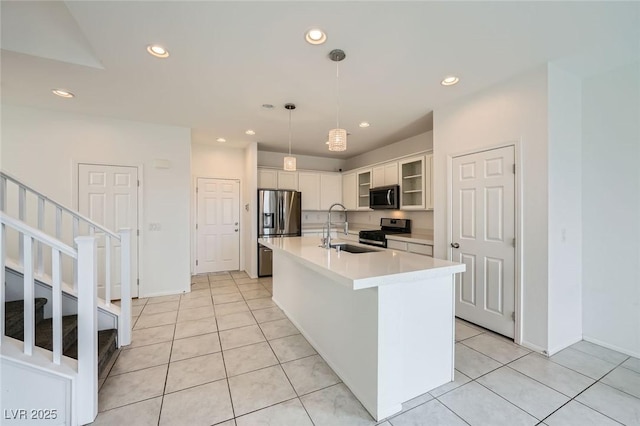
327, 241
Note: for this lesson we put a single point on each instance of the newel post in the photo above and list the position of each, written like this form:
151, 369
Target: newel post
124, 328
87, 391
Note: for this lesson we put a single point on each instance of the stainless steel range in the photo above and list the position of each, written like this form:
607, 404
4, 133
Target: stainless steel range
377, 237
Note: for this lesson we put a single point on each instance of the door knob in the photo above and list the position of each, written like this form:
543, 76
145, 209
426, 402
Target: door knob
455, 245
235, 230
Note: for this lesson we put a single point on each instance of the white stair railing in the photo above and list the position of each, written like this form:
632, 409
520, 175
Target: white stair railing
85, 254
48, 211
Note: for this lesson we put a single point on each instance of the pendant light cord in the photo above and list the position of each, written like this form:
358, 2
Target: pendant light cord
337, 95
289, 133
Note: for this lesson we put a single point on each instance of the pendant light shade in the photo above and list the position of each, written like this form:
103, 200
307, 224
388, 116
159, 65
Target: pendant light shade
337, 136
290, 164
337, 140
289, 161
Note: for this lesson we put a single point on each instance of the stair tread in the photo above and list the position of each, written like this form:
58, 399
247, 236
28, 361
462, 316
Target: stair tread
44, 331
14, 316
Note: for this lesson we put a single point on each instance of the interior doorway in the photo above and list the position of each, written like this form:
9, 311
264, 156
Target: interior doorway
217, 225
483, 218
108, 195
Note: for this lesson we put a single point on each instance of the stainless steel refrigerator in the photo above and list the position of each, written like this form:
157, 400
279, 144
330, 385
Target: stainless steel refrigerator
279, 215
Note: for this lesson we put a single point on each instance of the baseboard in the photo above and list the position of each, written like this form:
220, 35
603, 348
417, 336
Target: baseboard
556, 349
610, 346
534, 348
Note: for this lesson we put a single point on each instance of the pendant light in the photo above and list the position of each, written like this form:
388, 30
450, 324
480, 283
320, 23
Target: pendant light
337, 136
290, 162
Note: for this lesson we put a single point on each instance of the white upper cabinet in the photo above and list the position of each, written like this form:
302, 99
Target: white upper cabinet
364, 184
309, 186
330, 189
349, 192
385, 174
277, 179
319, 190
412, 183
267, 179
287, 180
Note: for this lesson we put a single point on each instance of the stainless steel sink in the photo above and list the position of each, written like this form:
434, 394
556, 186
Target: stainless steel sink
350, 248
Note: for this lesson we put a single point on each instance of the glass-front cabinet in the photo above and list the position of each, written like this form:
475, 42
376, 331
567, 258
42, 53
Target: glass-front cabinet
412, 183
364, 184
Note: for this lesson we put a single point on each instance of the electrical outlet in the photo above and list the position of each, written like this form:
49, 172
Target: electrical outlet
306, 217
155, 227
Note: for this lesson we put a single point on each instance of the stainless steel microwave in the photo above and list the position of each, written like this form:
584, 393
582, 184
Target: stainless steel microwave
384, 197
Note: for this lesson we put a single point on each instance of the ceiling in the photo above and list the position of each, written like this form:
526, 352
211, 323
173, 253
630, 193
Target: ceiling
229, 58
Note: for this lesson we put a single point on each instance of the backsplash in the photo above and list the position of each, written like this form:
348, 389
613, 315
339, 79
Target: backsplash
422, 220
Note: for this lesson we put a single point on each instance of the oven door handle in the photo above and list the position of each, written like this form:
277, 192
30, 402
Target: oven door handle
372, 242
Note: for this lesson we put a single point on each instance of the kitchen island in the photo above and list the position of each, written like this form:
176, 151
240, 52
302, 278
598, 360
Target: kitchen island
383, 321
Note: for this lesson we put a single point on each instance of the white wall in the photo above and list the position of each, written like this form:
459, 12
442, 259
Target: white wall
41, 146
611, 209
218, 162
250, 218
303, 162
514, 111
419, 143
565, 209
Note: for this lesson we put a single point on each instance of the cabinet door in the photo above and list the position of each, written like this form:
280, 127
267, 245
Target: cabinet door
384, 175
330, 189
397, 245
287, 180
412, 183
391, 173
349, 194
424, 249
364, 184
378, 176
267, 179
309, 186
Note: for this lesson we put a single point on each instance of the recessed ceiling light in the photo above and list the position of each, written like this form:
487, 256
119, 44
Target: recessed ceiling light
450, 80
221, 140
326, 143
315, 36
157, 51
267, 106
250, 132
364, 124
62, 93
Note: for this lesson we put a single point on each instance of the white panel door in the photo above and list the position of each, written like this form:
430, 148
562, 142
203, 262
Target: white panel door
108, 195
483, 210
218, 225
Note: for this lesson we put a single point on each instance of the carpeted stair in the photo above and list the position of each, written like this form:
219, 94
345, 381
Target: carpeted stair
14, 327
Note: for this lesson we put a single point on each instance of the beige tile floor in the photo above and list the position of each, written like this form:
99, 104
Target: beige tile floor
224, 354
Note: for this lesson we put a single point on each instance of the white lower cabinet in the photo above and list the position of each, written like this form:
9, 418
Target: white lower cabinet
424, 249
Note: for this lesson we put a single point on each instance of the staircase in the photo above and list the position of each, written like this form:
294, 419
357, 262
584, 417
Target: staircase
58, 328
14, 327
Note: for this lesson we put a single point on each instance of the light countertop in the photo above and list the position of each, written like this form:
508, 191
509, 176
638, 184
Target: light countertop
362, 270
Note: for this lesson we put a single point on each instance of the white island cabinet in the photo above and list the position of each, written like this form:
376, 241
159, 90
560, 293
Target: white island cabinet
384, 321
